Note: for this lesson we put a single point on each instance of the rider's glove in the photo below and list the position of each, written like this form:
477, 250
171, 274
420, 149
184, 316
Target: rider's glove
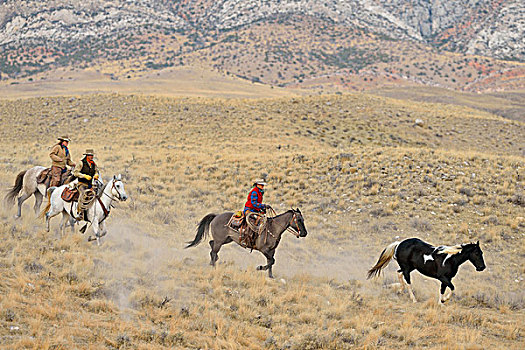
87, 177
95, 177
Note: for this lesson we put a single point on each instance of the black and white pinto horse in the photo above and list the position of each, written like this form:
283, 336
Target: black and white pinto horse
440, 262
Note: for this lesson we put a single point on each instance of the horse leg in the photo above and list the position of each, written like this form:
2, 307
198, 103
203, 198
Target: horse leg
445, 282
269, 263
21, 201
51, 213
406, 277
215, 247
63, 222
401, 280
447, 295
103, 229
72, 222
94, 224
38, 201
214, 253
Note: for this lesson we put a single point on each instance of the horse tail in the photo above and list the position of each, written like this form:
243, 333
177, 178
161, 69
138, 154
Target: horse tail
386, 255
202, 230
42, 214
13, 192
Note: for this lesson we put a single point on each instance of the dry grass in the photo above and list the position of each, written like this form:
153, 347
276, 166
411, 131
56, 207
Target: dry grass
360, 170
176, 81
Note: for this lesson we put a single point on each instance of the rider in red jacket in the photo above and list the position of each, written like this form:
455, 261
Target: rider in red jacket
255, 198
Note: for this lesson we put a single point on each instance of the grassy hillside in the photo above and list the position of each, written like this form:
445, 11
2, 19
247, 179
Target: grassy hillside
509, 104
361, 170
179, 81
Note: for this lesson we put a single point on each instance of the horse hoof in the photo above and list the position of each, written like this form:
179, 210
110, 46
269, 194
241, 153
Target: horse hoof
259, 268
17, 216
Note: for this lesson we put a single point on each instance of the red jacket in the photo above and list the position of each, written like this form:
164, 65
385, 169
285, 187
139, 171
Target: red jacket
254, 202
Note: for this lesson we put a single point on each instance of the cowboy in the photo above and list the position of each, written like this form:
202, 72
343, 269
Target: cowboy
60, 158
253, 204
255, 197
86, 171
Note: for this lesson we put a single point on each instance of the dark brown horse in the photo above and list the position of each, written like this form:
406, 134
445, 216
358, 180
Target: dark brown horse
266, 243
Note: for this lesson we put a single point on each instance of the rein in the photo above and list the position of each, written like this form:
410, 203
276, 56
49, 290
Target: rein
289, 228
104, 209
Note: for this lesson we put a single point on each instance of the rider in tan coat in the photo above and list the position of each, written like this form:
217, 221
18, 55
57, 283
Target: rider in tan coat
60, 158
86, 171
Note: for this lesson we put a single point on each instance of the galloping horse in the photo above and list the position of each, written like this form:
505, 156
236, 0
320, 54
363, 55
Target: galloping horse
26, 181
96, 214
265, 243
440, 262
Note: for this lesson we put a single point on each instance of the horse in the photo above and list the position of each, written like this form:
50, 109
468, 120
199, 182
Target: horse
440, 262
96, 214
26, 182
266, 243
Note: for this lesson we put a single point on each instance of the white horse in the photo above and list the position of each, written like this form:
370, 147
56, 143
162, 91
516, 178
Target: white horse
26, 185
96, 214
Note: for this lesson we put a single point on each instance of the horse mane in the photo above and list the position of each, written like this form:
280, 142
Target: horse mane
451, 250
102, 189
278, 215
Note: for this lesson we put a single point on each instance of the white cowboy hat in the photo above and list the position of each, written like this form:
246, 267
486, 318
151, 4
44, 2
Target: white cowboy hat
89, 152
64, 138
260, 182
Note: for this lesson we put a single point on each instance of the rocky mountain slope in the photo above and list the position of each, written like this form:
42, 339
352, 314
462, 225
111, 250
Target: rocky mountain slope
333, 35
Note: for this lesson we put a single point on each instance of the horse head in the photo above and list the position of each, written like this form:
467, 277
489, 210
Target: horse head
297, 223
475, 255
117, 188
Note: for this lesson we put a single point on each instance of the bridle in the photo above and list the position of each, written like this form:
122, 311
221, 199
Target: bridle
113, 187
291, 229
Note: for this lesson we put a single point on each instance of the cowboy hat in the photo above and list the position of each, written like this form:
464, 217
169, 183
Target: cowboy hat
260, 182
64, 138
89, 152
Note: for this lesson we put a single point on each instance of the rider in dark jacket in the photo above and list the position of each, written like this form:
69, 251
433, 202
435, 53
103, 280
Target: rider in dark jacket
86, 171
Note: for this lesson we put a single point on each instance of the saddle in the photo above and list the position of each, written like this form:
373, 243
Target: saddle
249, 227
70, 195
236, 220
43, 176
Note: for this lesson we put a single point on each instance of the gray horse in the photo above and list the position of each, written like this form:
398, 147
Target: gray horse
266, 243
26, 185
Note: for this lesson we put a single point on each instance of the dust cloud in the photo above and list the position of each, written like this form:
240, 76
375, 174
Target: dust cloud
133, 261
